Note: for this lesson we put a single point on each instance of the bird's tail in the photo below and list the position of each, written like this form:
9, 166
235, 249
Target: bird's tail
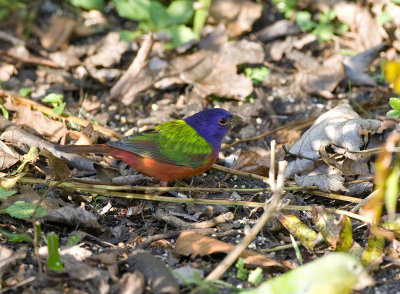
96, 148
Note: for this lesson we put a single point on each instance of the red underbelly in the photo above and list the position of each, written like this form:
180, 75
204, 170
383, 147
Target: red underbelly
158, 170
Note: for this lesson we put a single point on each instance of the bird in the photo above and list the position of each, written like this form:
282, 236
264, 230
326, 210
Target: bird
172, 150
334, 273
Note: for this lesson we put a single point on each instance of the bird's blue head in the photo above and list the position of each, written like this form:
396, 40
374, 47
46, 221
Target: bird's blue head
213, 124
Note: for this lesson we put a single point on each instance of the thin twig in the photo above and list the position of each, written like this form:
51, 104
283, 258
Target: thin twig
98, 186
269, 209
240, 173
365, 200
278, 248
293, 126
336, 196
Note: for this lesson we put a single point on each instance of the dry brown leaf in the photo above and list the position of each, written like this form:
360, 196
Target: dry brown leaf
74, 216
59, 33
364, 27
252, 162
7, 71
194, 244
278, 29
8, 156
216, 72
59, 168
323, 79
36, 121
238, 15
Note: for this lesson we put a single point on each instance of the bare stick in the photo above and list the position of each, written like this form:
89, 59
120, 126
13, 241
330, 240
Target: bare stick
123, 84
269, 209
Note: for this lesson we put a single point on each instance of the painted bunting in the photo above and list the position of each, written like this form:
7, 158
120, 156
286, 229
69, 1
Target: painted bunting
334, 273
172, 150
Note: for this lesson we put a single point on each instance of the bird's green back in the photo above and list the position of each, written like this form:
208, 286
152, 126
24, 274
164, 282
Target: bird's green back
172, 142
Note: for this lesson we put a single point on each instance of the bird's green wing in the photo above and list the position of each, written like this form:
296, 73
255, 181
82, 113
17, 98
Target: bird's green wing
172, 142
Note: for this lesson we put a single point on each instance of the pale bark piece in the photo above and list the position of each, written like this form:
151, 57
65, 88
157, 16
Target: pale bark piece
341, 127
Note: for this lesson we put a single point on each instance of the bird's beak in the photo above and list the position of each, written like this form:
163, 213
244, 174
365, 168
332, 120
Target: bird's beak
234, 120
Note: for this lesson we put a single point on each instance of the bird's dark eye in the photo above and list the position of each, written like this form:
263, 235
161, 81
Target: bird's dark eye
222, 121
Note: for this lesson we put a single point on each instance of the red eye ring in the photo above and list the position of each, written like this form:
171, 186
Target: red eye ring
223, 121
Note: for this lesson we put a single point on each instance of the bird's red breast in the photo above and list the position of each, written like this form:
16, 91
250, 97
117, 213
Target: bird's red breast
159, 170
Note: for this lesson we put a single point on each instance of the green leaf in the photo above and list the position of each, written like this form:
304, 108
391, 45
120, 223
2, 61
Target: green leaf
22, 209
296, 249
324, 32
74, 240
346, 235
158, 15
242, 271
200, 17
133, 9
180, 35
256, 276
297, 228
393, 114
257, 74
16, 237
327, 16
4, 111
303, 20
88, 4
53, 98
25, 92
394, 103
373, 251
53, 260
384, 17
392, 191
129, 35
60, 108
6, 193
180, 12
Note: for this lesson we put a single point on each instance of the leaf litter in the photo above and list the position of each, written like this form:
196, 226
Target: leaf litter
172, 84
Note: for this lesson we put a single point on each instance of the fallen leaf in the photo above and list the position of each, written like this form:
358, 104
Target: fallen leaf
194, 244
252, 162
356, 66
36, 121
323, 79
298, 229
372, 255
156, 273
326, 183
8, 156
364, 27
59, 33
340, 127
238, 16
